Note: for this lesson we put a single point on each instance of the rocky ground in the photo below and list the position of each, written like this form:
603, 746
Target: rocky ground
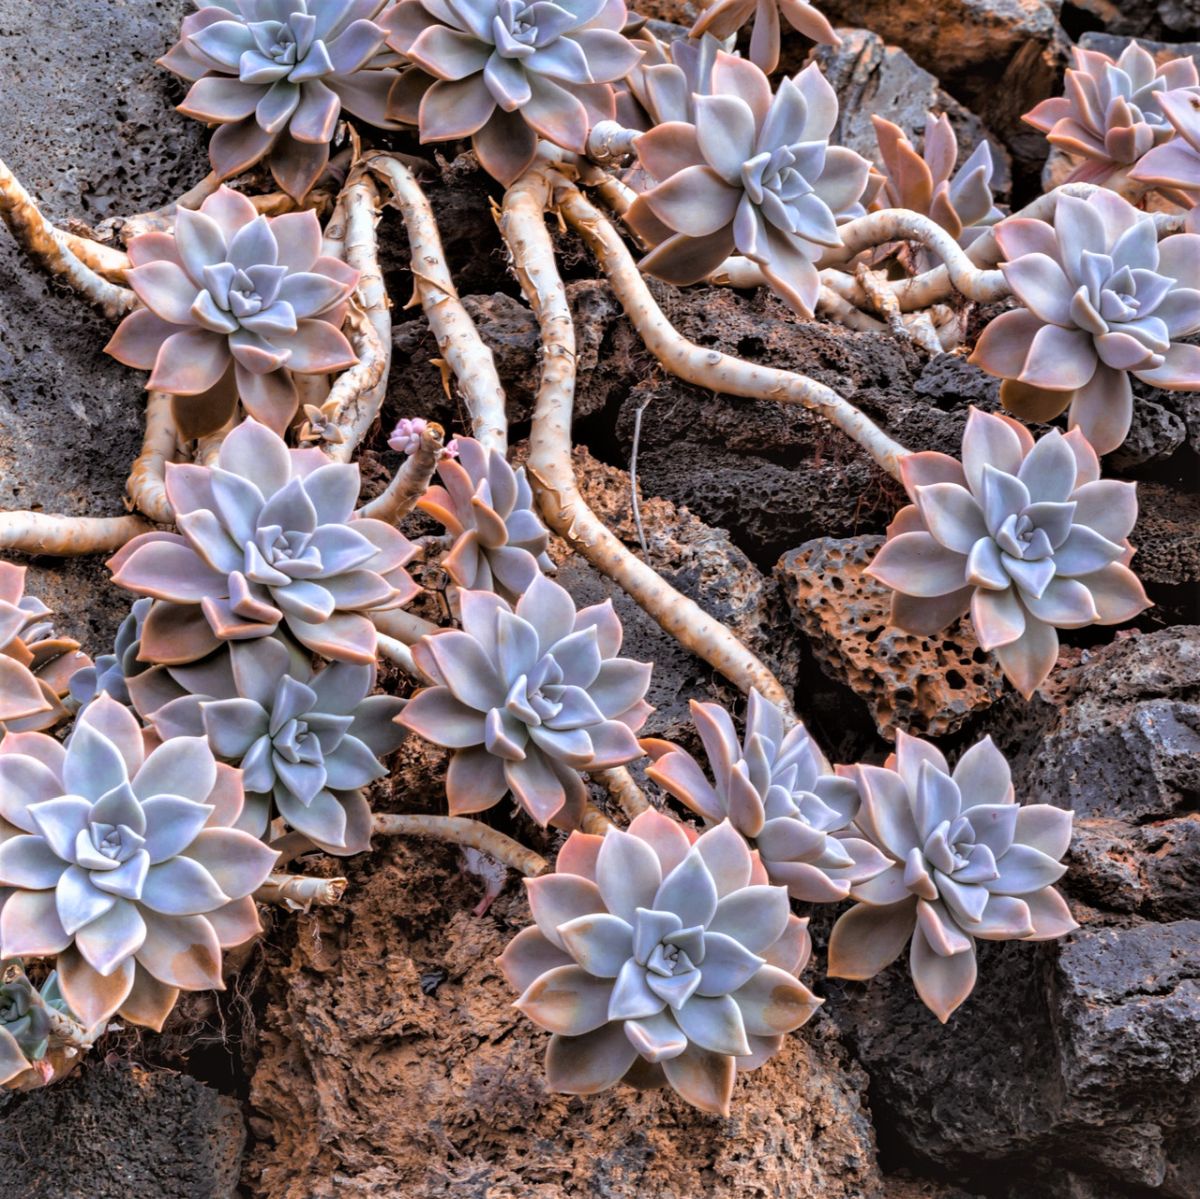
370, 1049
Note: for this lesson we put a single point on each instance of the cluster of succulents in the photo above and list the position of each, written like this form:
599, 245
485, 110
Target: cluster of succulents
753, 175
1103, 299
124, 864
967, 863
1113, 112
267, 540
487, 506
659, 956
307, 742
1025, 536
528, 696
235, 304
723, 18
274, 75
110, 673
506, 72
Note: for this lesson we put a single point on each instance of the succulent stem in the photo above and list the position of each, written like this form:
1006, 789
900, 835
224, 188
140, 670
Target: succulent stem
67, 536
358, 393
457, 338
146, 485
299, 892
621, 786
396, 652
461, 831
410, 482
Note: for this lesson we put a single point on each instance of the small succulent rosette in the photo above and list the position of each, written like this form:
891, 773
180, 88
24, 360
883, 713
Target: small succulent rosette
967, 863
657, 956
527, 697
1025, 536
723, 18
773, 788
1175, 164
267, 539
33, 1052
124, 864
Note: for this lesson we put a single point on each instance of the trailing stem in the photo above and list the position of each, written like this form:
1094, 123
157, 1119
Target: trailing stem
411, 481
67, 536
621, 786
357, 395
147, 487
460, 831
299, 892
457, 338
523, 226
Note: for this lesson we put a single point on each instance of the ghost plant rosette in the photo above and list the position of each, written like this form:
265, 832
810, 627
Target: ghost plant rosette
506, 72
771, 787
967, 863
1026, 537
1104, 299
527, 697
267, 538
723, 18
274, 76
124, 864
1176, 163
754, 175
235, 304
656, 956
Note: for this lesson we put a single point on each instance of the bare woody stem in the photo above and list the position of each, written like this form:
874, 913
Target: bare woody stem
623, 789
147, 486
523, 226
299, 892
67, 536
452, 327
411, 481
710, 368
358, 393
396, 652
50, 249
460, 831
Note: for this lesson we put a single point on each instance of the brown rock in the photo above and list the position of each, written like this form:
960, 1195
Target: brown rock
926, 686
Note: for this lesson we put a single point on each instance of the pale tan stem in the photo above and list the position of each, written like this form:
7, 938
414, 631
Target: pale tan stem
209, 446
460, 831
609, 143
457, 338
829, 303
67, 536
624, 790
595, 822
616, 194
411, 481
710, 368
299, 892
66, 1033
396, 652
107, 261
523, 227
147, 486
50, 249
361, 389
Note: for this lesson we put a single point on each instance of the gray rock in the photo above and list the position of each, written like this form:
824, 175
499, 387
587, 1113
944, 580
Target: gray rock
1154, 435
1138, 18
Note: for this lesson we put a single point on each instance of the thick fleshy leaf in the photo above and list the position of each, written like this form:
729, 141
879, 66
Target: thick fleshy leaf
868, 938
567, 1000
591, 1063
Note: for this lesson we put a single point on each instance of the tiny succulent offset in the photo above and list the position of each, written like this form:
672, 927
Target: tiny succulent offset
267, 539
274, 76
1103, 299
771, 787
528, 696
967, 863
234, 304
499, 540
659, 956
1025, 536
754, 175
124, 864
1112, 114
506, 72
306, 741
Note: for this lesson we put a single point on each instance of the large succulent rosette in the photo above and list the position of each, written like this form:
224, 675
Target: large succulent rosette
235, 305
506, 72
656, 956
267, 538
1026, 537
274, 76
967, 863
1104, 299
125, 864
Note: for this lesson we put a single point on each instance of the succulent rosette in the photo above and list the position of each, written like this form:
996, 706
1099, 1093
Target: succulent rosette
267, 538
753, 175
773, 789
1103, 299
307, 742
274, 76
506, 72
111, 672
665, 82
1112, 113
499, 540
723, 18
967, 863
527, 697
29, 1055
234, 305
124, 864
1176, 163
656, 956
1026, 537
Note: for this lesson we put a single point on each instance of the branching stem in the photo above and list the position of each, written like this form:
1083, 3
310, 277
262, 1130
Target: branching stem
411, 481
461, 831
